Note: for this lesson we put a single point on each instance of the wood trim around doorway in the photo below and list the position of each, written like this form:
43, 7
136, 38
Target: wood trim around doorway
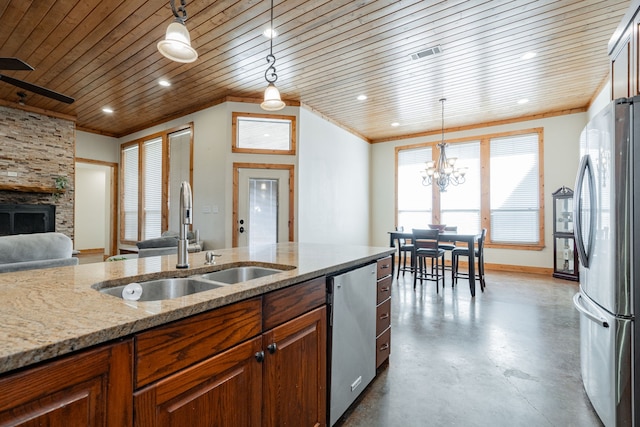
236, 181
114, 196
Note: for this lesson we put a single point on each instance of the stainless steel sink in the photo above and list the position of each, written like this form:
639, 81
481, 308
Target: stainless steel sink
161, 289
239, 274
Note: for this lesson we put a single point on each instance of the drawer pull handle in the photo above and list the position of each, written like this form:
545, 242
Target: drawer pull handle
386, 289
384, 346
384, 316
385, 266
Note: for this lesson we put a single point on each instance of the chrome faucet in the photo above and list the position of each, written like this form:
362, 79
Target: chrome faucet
186, 206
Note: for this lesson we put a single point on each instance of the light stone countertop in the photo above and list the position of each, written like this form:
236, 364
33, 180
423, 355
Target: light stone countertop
50, 312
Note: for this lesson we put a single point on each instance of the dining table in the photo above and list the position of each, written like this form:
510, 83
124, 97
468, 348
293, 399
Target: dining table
469, 239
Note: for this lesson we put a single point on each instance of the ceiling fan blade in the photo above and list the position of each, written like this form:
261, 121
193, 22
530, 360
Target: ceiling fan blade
14, 64
37, 89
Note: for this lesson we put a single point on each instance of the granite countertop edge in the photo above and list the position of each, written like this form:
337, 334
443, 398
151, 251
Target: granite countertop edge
46, 322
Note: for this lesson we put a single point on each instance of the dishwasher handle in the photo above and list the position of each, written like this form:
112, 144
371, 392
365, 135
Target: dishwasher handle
582, 309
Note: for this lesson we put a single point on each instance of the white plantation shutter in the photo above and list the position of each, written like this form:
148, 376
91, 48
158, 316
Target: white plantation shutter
152, 199
515, 187
414, 199
130, 199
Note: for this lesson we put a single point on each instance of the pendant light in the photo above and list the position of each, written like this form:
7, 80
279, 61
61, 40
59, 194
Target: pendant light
443, 171
177, 43
272, 100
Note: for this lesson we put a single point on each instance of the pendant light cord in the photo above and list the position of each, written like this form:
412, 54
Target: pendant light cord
270, 74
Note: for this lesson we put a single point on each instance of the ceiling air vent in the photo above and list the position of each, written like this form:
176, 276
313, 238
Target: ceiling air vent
427, 52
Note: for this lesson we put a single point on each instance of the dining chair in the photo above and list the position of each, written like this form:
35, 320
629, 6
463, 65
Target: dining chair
425, 245
449, 246
404, 248
478, 253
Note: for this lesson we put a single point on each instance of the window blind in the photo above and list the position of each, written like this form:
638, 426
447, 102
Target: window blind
152, 198
414, 199
460, 205
514, 189
130, 192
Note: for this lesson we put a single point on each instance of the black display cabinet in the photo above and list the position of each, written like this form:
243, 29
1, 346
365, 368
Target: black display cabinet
565, 261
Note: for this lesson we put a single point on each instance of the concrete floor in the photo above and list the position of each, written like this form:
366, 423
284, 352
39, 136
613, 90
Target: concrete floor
508, 357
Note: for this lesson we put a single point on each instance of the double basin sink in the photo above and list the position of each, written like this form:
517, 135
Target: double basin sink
161, 289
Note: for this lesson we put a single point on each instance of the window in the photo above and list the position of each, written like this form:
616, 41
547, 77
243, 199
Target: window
266, 134
515, 201
414, 199
145, 170
129, 165
461, 205
502, 192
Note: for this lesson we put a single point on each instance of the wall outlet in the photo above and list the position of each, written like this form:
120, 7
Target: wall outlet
12, 173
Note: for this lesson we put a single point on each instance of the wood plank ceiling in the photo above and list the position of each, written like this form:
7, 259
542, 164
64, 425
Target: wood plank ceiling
103, 53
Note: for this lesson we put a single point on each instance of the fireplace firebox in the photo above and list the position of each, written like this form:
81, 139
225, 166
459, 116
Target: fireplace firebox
26, 219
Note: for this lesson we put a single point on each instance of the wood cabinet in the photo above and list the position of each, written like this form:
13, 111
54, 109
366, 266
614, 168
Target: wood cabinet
383, 311
624, 54
259, 362
90, 388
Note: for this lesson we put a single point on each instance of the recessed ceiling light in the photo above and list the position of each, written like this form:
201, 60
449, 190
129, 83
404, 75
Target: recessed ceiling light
528, 55
164, 83
107, 110
395, 124
270, 33
523, 101
362, 97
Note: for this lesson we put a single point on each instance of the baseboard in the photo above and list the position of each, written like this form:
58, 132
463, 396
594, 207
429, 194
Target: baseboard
94, 251
509, 268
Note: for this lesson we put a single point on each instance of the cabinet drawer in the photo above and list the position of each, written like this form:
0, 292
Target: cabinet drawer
169, 348
383, 316
384, 267
384, 289
383, 347
285, 304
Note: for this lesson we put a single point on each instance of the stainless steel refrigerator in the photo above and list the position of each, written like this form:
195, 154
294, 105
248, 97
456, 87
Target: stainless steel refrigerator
607, 233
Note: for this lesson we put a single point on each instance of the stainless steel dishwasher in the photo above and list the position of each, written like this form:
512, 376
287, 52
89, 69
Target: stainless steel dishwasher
352, 344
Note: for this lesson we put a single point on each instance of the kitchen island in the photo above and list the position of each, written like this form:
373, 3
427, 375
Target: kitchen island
52, 314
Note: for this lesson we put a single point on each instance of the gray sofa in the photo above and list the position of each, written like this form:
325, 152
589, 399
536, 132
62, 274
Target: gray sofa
33, 251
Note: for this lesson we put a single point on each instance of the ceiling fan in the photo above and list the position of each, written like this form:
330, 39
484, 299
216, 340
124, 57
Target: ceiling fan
17, 64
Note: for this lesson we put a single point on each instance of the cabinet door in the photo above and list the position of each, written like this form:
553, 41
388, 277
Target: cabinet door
294, 390
621, 68
224, 390
91, 388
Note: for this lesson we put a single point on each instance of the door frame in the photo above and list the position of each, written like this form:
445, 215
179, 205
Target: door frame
236, 183
113, 223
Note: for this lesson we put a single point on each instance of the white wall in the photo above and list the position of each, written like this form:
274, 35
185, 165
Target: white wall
601, 100
331, 169
90, 226
561, 153
97, 147
334, 183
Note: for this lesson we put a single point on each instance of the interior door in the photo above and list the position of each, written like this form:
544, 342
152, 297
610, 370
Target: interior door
263, 207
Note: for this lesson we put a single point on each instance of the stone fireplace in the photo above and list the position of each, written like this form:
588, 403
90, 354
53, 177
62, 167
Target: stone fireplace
35, 149
26, 219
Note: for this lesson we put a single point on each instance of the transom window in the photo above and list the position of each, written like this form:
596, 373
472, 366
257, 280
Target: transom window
265, 134
502, 192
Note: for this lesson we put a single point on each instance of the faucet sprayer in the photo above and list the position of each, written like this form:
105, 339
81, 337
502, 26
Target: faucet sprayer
186, 218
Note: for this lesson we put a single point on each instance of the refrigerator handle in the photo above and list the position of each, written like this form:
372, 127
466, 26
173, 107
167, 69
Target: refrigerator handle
578, 304
585, 169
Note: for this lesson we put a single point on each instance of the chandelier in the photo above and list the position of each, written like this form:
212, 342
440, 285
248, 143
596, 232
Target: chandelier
272, 100
443, 171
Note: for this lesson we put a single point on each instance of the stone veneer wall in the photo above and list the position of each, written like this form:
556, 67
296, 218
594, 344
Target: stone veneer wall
39, 148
